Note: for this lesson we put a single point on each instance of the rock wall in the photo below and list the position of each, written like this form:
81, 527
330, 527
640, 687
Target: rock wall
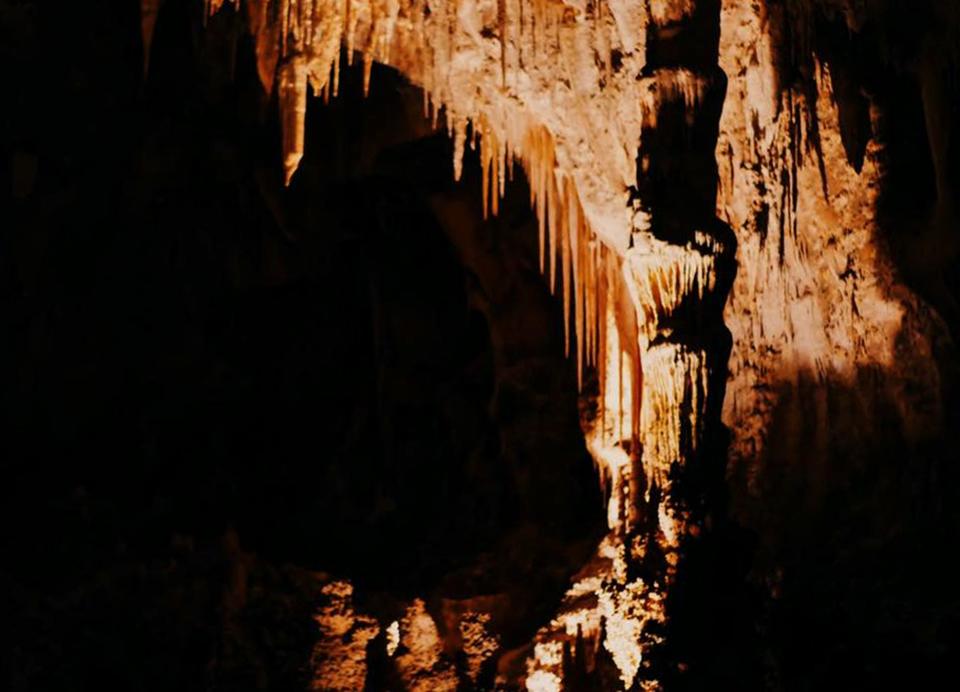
842, 373
817, 296
632, 138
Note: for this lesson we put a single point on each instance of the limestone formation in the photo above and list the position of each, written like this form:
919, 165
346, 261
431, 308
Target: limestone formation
623, 122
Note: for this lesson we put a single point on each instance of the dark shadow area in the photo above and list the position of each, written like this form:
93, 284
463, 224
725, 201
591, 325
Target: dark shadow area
859, 569
213, 386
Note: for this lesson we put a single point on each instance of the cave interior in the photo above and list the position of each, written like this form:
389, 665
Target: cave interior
222, 395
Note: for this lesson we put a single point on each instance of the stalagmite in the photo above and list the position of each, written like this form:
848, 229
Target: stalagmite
478, 643
339, 657
418, 661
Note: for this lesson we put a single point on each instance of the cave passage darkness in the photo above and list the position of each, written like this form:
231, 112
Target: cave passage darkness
203, 369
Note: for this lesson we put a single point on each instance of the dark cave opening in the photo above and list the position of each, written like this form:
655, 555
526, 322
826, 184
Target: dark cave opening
206, 372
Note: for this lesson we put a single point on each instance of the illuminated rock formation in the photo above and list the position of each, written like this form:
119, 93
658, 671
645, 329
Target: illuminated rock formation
246, 305
614, 113
521, 73
818, 296
340, 655
676, 273
635, 268
418, 658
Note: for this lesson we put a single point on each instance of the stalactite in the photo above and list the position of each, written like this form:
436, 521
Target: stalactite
551, 194
293, 100
565, 232
215, 5
578, 285
459, 133
665, 274
149, 9
302, 41
266, 33
620, 285
485, 165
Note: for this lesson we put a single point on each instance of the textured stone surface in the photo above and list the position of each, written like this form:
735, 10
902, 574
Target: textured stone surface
605, 104
817, 297
839, 384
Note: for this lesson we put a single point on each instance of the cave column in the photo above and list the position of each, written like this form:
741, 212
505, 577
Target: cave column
679, 267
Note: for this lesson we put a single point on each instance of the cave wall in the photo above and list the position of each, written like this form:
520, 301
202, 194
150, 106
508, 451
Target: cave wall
805, 155
818, 296
836, 170
842, 388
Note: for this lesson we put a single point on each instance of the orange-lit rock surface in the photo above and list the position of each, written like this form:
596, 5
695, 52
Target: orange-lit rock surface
572, 91
817, 298
341, 652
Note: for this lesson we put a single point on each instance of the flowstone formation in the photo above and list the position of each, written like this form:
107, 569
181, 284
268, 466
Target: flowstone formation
617, 113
